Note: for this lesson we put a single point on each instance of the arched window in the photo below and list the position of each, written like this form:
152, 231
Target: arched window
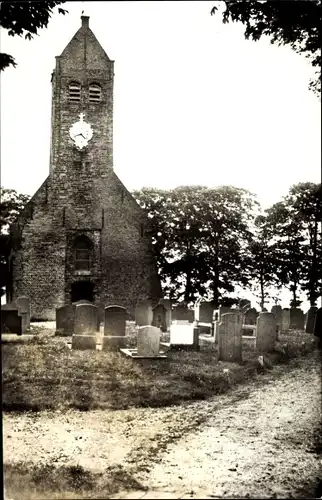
94, 92
83, 253
74, 92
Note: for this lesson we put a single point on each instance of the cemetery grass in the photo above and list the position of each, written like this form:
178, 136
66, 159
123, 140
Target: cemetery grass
44, 373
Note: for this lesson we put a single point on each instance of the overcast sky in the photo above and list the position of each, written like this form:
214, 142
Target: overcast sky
194, 102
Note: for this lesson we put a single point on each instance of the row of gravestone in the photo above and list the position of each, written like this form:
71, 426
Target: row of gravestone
15, 316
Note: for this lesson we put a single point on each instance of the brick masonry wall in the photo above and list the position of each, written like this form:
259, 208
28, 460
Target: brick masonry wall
83, 195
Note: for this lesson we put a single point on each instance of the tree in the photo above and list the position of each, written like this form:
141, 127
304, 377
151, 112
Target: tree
11, 205
295, 23
25, 18
200, 236
263, 259
295, 223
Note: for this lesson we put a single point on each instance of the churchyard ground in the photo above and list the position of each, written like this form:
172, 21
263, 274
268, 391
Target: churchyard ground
95, 430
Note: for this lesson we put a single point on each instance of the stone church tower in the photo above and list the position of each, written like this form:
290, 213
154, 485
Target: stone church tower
82, 235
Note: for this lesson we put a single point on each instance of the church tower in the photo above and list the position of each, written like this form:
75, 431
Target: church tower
82, 235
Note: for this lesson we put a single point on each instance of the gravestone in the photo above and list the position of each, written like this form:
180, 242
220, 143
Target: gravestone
114, 320
286, 318
244, 304
317, 330
277, 311
230, 337
184, 336
65, 319
85, 319
114, 328
266, 332
310, 319
23, 304
296, 319
84, 301
182, 313
148, 341
250, 316
167, 303
205, 312
223, 310
159, 317
144, 313
11, 321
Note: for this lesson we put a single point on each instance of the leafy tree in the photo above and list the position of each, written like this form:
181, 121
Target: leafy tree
25, 18
200, 236
295, 223
11, 205
295, 23
263, 259
304, 202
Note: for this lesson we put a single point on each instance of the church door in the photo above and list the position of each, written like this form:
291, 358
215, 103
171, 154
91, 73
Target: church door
82, 290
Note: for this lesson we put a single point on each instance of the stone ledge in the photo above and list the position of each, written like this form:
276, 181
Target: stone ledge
113, 342
83, 342
133, 353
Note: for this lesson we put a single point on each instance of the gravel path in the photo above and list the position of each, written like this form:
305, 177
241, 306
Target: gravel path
256, 441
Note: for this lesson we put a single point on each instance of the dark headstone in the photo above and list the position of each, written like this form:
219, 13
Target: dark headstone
317, 330
206, 310
296, 319
168, 315
266, 331
11, 321
250, 317
114, 320
182, 313
310, 319
65, 319
159, 317
143, 313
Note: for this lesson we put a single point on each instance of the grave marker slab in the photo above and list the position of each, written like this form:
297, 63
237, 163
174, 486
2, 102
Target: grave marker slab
286, 318
310, 319
23, 303
266, 331
114, 320
167, 303
65, 319
296, 319
230, 337
144, 313
250, 316
148, 341
11, 321
159, 317
317, 330
85, 319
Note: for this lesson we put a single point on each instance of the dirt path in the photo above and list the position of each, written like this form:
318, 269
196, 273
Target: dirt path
255, 442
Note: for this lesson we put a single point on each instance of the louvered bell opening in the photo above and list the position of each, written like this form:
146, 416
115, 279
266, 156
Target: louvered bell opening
94, 94
74, 93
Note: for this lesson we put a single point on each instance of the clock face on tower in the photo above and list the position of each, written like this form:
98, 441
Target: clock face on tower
81, 132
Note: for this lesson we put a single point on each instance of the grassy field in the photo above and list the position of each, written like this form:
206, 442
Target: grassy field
44, 373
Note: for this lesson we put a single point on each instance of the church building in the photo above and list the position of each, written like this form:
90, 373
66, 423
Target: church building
82, 235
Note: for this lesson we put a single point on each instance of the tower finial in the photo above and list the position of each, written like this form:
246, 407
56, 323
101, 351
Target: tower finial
85, 20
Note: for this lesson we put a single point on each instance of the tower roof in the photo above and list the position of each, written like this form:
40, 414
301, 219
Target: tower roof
84, 47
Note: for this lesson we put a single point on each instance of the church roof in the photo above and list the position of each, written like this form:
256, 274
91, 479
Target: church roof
84, 42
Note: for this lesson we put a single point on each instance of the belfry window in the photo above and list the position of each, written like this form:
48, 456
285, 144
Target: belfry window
74, 92
94, 92
83, 253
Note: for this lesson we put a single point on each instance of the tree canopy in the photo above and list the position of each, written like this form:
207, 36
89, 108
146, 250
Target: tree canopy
295, 23
25, 19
